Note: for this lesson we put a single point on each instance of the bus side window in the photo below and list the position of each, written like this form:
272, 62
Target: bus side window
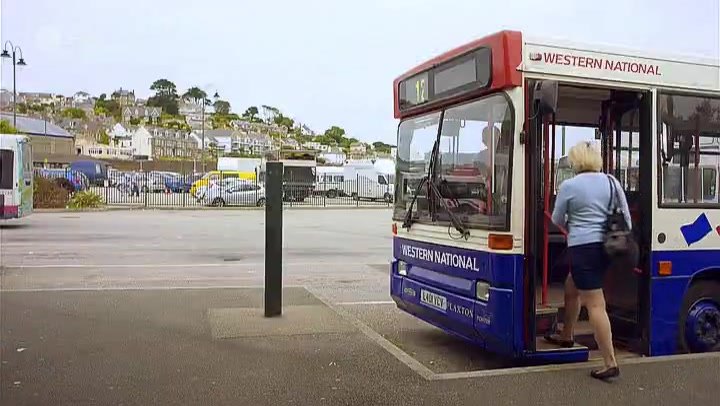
690, 148
6, 168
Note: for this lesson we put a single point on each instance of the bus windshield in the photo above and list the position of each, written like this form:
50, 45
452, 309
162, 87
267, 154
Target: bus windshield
472, 164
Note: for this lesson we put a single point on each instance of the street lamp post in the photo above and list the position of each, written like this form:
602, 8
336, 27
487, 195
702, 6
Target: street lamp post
16, 62
202, 150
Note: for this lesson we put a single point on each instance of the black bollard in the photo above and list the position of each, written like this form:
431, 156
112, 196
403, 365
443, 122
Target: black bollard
273, 238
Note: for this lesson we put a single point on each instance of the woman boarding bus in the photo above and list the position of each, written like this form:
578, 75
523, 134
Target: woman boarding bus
475, 251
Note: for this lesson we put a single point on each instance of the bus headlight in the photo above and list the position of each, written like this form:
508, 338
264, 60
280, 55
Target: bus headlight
402, 268
482, 291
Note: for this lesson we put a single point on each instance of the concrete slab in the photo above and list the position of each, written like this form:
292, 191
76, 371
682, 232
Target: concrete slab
432, 347
295, 320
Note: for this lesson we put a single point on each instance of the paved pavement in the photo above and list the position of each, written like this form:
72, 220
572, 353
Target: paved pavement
162, 307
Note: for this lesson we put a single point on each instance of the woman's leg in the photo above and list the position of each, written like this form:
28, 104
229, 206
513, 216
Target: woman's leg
594, 301
572, 309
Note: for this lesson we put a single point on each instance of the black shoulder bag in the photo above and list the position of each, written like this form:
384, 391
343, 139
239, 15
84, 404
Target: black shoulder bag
618, 238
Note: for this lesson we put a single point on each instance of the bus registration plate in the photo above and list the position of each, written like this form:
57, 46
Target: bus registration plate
434, 300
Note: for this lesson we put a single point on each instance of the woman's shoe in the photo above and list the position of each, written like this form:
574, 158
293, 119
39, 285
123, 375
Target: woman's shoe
612, 372
557, 340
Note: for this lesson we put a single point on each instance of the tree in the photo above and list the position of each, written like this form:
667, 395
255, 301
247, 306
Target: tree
251, 114
195, 94
7, 128
164, 87
73, 112
382, 147
222, 107
280, 119
165, 97
336, 134
103, 138
269, 113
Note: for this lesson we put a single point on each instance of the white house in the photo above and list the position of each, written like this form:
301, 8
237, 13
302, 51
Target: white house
142, 142
81, 98
224, 143
118, 131
251, 142
316, 146
121, 137
358, 149
333, 158
100, 151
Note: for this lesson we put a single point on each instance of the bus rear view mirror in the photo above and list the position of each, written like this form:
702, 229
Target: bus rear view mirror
546, 95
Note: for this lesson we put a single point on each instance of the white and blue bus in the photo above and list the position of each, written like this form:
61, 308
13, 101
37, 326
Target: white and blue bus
16, 177
475, 252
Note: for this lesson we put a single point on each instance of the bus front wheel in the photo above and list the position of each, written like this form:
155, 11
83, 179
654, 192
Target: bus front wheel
700, 317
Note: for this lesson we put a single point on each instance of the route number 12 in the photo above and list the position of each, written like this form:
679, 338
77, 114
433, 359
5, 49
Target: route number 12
420, 91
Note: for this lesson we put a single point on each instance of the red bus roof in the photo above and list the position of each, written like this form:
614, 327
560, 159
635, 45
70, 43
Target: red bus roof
506, 48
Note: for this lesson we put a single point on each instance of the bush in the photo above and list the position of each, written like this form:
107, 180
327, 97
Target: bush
85, 200
47, 194
65, 184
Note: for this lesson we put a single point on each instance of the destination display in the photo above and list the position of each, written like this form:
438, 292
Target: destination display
464, 73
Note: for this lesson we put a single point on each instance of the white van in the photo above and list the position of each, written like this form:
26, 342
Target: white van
367, 183
329, 181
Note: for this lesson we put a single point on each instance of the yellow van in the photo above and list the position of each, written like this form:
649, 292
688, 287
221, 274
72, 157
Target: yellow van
217, 176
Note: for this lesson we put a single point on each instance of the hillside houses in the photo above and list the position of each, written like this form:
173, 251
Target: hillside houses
228, 141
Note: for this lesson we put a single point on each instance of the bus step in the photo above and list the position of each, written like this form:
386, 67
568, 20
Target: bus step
546, 319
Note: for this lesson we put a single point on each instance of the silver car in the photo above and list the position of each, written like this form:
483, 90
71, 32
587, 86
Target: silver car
237, 194
202, 191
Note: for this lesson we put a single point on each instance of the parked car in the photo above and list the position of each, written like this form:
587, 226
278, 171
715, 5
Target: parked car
218, 176
96, 171
151, 182
181, 184
201, 191
241, 194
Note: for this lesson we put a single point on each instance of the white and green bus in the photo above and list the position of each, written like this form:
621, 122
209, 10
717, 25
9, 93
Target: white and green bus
16, 176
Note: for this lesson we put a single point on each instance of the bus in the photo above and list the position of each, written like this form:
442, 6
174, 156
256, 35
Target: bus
474, 250
16, 177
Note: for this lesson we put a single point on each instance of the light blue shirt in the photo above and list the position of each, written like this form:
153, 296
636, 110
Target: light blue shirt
582, 207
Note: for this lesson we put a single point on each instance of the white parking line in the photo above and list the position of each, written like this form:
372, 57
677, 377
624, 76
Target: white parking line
228, 264
430, 375
131, 288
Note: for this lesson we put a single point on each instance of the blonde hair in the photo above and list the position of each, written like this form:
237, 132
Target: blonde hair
584, 157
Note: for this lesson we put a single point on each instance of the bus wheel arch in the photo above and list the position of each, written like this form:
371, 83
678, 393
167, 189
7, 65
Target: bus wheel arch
699, 324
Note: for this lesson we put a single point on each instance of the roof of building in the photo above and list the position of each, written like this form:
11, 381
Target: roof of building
34, 126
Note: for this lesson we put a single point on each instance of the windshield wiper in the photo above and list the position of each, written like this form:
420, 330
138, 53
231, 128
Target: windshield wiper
455, 221
434, 192
407, 223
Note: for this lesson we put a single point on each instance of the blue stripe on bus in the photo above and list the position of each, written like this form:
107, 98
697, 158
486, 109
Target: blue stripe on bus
453, 272
667, 293
501, 270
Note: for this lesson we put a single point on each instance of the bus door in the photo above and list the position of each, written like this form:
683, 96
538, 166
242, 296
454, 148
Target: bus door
626, 140
621, 121
7, 180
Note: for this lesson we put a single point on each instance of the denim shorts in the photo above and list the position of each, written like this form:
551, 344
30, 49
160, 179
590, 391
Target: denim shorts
588, 266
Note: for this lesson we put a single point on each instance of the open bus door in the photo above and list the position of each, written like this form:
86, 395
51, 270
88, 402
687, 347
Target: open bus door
626, 140
626, 290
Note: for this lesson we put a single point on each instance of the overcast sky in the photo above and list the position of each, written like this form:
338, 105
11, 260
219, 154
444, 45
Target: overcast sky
323, 62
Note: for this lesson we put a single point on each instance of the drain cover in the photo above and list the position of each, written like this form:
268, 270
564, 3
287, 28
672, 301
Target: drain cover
232, 259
